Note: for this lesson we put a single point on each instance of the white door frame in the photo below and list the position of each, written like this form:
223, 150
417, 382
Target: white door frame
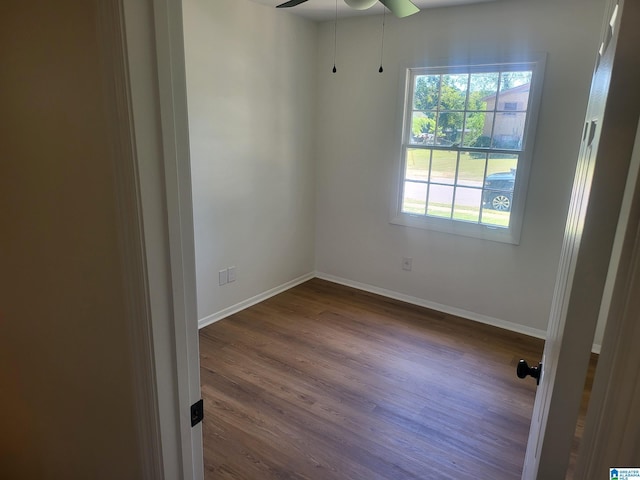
172, 85
156, 214
145, 91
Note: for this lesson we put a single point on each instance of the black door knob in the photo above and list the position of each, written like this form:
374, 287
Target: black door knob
523, 369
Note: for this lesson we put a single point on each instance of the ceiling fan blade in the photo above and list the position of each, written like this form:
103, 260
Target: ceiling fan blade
290, 3
400, 8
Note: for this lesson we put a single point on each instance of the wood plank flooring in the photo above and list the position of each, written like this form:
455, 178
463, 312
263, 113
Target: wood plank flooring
325, 382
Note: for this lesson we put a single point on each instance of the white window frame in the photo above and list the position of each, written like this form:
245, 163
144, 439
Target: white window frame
510, 234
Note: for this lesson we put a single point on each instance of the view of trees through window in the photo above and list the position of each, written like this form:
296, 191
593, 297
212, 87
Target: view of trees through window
465, 137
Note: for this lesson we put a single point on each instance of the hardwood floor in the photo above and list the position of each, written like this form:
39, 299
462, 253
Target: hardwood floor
325, 382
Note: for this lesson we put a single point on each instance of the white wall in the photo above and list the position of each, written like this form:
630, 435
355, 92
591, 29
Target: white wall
358, 148
251, 88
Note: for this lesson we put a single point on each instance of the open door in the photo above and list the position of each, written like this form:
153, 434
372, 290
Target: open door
599, 184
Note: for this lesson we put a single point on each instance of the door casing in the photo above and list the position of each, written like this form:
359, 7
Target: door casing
155, 100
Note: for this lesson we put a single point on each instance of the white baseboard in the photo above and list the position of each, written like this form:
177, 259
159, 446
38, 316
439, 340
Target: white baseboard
458, 312
209, 319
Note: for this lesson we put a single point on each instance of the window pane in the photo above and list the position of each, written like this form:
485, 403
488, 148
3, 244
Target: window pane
440, 201
477, 130
514, 90
453, 92
423, 128
449, 128
497, 197
417, 167
414, 198
467, 204
483, 88
502, 162
495, 218
508, 130
443, 166
471, 169
425, 92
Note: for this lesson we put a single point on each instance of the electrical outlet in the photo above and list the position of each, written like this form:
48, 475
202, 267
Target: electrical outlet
406, 263
223, 277
231, 274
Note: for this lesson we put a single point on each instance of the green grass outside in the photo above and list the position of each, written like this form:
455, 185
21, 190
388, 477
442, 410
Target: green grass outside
444, 165
464, 213
469, 170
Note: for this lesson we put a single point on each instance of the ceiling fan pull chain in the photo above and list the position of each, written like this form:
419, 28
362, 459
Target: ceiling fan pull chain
384, 15
335, 39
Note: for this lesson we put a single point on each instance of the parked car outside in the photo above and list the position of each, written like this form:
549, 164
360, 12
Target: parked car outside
498, 193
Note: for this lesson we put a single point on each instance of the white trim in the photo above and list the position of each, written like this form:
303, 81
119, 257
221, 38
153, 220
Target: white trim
458, 312
170, 64
214, 317
112, 37
439, 307
148, 51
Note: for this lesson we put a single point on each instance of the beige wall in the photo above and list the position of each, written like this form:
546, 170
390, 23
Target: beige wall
66, 404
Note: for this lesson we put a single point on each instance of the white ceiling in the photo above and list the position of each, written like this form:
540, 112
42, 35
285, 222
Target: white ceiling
326, 9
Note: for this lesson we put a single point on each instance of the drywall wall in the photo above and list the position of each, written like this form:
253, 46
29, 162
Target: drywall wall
358, 148
251, 86
67, 406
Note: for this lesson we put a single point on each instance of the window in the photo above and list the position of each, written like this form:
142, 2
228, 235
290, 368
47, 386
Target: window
510, 108
467, 141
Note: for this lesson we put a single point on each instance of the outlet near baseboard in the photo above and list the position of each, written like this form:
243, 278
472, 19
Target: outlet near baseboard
406, 263
227, 275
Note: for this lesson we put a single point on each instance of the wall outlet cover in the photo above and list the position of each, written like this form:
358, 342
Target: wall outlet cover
223, 277
407, 263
